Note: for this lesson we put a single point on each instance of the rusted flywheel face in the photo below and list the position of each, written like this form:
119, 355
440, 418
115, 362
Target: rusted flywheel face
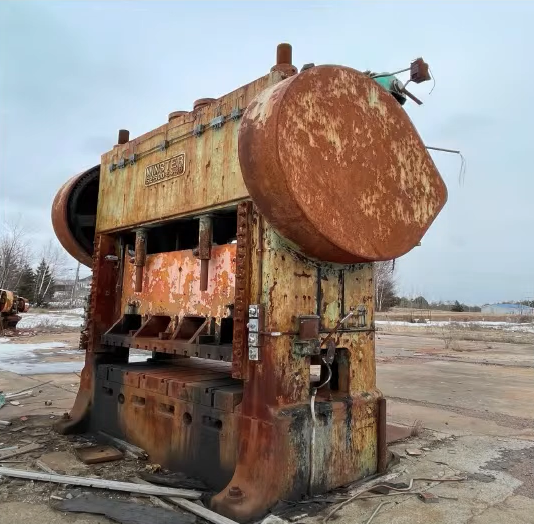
74, 214
337, 167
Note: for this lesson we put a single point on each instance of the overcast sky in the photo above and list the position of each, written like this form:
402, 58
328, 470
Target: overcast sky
73, 73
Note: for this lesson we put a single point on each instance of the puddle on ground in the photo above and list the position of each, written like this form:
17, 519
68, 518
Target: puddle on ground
27, 359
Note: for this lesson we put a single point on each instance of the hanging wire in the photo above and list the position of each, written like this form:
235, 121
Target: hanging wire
463, 165
433, 80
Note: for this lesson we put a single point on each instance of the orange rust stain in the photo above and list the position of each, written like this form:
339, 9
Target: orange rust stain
171, 283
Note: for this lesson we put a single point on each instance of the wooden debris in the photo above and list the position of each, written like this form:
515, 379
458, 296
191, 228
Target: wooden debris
20, 428
124, 512
125, 446
44, 467
174, 480
20, 451
100, 483
9, 448
24, 394
205, 513
97, 454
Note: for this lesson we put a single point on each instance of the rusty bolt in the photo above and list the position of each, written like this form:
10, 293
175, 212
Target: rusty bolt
235, 492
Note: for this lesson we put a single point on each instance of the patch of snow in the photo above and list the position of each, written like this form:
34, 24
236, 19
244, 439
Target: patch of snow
506, 326
75, 311
42, 368
22, 359
32, 320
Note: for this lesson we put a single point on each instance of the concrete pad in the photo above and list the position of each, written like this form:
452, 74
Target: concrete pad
499, 516
499, 389
394, 432
449, 422
59, 391
16, 512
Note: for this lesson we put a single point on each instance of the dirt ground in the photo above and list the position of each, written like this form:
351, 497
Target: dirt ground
473, 408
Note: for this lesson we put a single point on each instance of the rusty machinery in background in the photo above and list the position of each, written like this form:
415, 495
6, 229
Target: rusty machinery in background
235, 244
10, 307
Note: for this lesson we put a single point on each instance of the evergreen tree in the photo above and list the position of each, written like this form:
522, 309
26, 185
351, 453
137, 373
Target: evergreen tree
457, 307
44, 285
26, 286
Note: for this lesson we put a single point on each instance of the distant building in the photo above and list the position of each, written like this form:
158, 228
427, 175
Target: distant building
507, 309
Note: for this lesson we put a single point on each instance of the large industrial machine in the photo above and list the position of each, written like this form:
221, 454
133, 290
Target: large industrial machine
235, 244
10, 307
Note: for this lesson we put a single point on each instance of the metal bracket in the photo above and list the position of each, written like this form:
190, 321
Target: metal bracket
198, 130
255, 315
330, 352
132, 159
306, 348
362, 314
236, 114
163, 145
217, 122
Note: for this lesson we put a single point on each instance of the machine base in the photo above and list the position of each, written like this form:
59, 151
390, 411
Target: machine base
187, 415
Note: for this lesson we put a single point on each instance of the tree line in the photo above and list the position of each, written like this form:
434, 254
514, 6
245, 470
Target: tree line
386, 293
18, 271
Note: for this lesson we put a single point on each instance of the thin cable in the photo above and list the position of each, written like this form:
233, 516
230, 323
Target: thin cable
461, 174
312, 442
399, 490
376, 511
433, 80
329, 375
314, 421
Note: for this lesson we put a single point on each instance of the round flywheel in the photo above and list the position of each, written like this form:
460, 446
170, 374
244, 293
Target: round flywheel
336, 166
74, 214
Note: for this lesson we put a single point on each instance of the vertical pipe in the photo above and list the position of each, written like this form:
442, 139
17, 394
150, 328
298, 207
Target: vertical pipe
259, 250
124, 136
205, 232
140, 258
204, 274
284, 54
382, 447
284, 60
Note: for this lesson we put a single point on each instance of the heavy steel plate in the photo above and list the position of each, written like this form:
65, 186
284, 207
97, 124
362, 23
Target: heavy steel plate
336, 166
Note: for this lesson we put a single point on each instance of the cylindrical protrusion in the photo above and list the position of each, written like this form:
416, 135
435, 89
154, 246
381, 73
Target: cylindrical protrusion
205, 233
204, 265
284, 58
124, 136
201, 102
284, 54
382, 447
176, 114
139, 258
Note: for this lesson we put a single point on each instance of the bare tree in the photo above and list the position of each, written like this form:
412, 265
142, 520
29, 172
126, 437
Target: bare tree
52, 267
14, 253
384, 284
